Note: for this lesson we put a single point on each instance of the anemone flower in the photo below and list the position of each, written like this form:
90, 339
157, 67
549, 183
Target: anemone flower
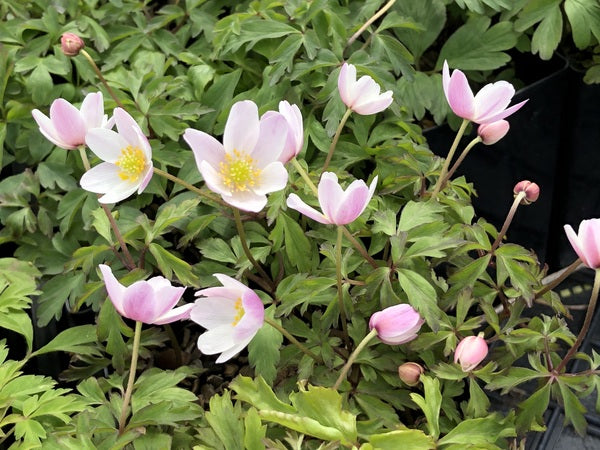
246, 166
397, 324
150, 301
295, 135
470, 352
490, 133
490, 103
363, 96
232, 315
127, 157
586, 242
339, 207
67, 126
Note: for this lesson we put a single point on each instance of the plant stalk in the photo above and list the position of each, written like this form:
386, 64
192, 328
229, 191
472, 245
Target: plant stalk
293, 340
359, 247
375, 16
102, 79
442, 177
509, 217
338, 272
188, 186
304, 175
128, 391
460, 159
353, 357
335, 139
563, 275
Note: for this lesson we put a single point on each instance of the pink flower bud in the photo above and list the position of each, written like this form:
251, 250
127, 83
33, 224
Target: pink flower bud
470, 352
532, 191
490, 133
71, 44
585, 242
397, 324
410, 373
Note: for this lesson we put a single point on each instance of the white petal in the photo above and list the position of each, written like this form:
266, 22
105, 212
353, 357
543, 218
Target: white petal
241, 129
212, 312
106, 144
272, 178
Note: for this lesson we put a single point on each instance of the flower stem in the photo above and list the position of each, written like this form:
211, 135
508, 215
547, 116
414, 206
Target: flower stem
586, 323
304, 175
442, 177
242, 233
353, 357
132, 369
375, 16
102, 79
188, 186
293, 340
460, 159
338, 271
359, 247
509, 217
128, 262
559, 278
335, 139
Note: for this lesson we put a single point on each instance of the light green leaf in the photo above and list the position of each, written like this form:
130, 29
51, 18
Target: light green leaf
548, 33
430, 404
73, 340
402, 439
421, 296
263, 350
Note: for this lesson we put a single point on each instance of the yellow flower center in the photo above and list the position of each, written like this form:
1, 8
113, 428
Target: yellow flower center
239, 312
132, 163
239, 171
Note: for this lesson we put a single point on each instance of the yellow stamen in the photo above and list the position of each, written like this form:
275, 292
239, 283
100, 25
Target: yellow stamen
240, 312
132, 163
239, 171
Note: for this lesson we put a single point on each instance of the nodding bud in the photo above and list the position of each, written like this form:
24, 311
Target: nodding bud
410, 373
71, 44
531, 190
490, 133
470, 352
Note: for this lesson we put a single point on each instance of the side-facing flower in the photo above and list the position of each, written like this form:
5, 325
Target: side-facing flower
246, 166
586, 242
232, 315
339, 207
295, 135
150, 301
470, 352
488, 105
397, 324
71, 44
363, 96
67, 126
127, 157
531, 190
490, 133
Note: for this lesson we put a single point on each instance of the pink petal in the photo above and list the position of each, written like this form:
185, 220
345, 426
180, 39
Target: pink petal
220, 291
460, 97
374, 105
492, 99
179, 313
205, 147
273, 178
139, 302
576, 244
346, 81
212, 312
216, 340
271, 139
116, 290
490, 133
146, 177
589, 235
501, 115
127, 127
353, 203
47, 129
67, 122
445, 78
242, 127
330, 194
92, 110
106, 144
230, 283
294, 202
253, 318
167, 294
295, 139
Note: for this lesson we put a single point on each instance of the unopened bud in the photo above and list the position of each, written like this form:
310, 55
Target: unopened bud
71, 44
531, 190
410, 373
490, 133
470, 352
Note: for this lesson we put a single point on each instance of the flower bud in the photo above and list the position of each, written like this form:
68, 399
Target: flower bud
397, 324
71, 44
490, 133
410, 372
531, 190
470, 352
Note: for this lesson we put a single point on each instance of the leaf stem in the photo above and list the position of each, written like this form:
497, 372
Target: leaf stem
128, 391
340, 290
335, 139
102, 79
509, 217
353, 357
460, 159
442, 177
375, 16
188, 186
359, 247
293, 340
555, 281
304, 175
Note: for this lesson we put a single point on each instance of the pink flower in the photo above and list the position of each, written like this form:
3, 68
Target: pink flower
67, 125
531, 190
151, 301
490, 133
362, 96
232, 315
295, 135
470, 352
71, 44
489, 105
397, 324
339, 207
246, 166
586, 242
128, 160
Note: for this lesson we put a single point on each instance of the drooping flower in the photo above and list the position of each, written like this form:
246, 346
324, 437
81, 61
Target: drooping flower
67, 126
295, 135
362, 96
410, 373
586, 242
470, 352
246, 166
152, 301
397, 324
127, 157
531, 190
71, 44
490, 133
490, 103
339, 207
232, 315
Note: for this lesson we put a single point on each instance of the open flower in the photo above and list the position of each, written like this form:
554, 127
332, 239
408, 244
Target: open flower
586, 242
232, 315
490, 133
128, 160
295, 135
362, 96
339, 207
246, 166
67, 126
397, 324
150, 301
470, 352
490, 103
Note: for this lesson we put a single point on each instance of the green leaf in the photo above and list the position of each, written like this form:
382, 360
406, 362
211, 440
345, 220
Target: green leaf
255, 431
531, 414
429, 16
486, 430
297, 245
264, 350
402, 439
168, 263
55, 294
225, 420
259, 394
547, 34
430, 404
39, 83
217, 249
72, 340
421, 296
584, 17
418, 213
574, 410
